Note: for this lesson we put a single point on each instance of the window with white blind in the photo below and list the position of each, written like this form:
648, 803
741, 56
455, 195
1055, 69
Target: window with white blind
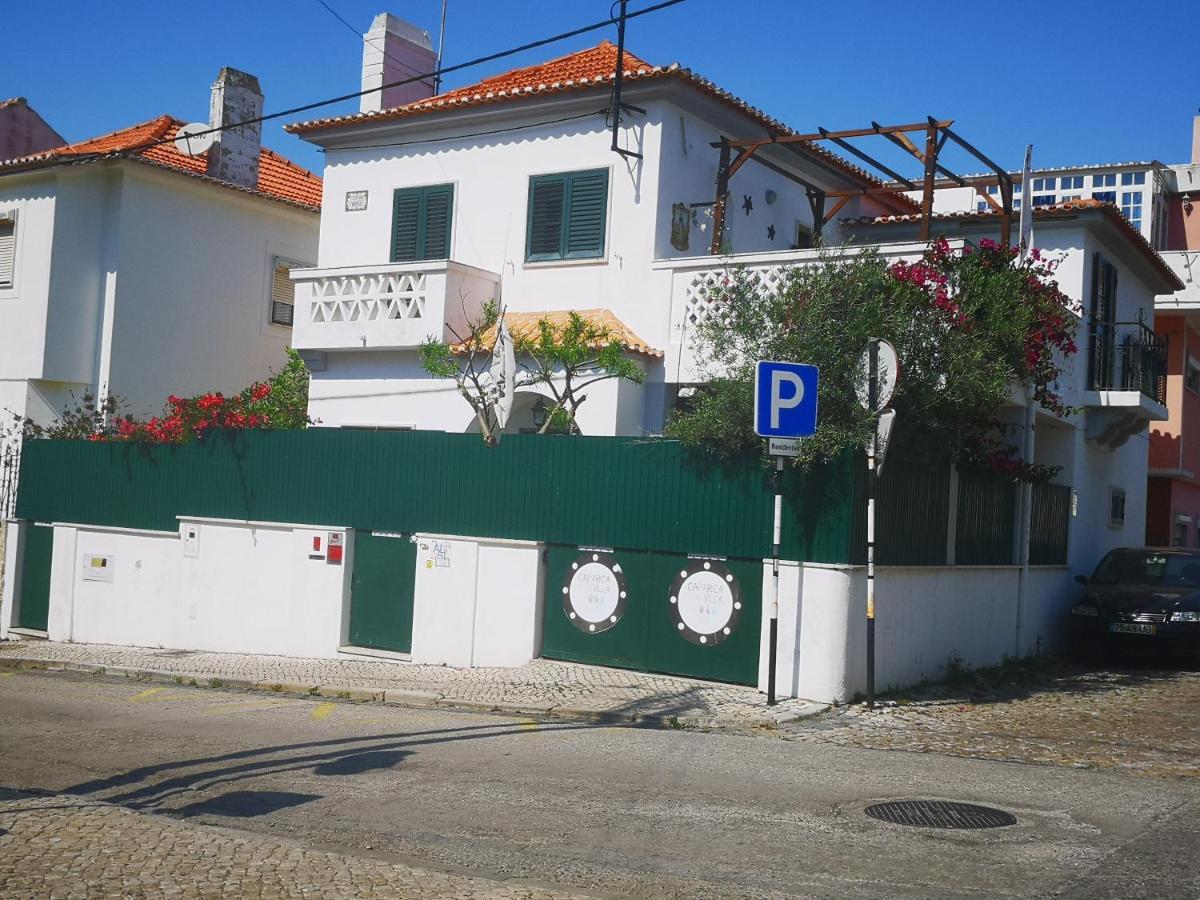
8, 250
283, 290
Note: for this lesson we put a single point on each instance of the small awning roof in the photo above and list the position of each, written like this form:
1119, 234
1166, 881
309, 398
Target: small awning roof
527, 325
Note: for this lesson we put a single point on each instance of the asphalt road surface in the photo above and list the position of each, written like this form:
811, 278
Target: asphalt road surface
592, 809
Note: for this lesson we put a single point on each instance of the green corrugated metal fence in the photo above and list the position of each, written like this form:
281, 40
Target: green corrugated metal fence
575, 491
619, 492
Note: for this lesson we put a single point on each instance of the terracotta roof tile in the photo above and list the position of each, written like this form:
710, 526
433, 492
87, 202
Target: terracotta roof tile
1055, 211
580, 71
527, 324
278, 177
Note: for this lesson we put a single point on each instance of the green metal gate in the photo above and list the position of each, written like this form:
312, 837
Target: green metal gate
33, 602
633, 618
381, 591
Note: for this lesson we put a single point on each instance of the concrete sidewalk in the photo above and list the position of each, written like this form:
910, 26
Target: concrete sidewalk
542, 688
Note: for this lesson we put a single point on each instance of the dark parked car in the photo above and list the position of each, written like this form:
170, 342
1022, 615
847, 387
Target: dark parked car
1142, 598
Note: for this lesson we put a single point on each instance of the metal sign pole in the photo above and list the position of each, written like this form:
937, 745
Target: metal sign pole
872, 404
776, 478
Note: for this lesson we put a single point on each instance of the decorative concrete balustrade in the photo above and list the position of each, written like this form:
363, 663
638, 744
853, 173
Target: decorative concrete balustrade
391, 306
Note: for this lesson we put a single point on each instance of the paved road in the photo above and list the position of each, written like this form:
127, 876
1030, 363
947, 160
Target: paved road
589, 809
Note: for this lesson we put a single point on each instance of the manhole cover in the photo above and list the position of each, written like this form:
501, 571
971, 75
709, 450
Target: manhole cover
940, 814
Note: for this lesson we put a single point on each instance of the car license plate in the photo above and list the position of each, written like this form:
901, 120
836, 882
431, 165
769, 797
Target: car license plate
1131, 628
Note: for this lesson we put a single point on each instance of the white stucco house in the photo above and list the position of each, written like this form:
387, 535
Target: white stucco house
518, 189
130, 267
510, 189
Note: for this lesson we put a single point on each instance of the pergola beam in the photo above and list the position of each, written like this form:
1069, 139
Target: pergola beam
736, 153
820, 136
869, 160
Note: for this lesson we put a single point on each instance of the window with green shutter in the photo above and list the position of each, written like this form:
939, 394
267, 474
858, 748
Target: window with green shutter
421, 219
566, 216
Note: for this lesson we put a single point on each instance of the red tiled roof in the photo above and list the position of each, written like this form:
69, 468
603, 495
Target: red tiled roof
528, 325
580, 71
278, 177
1064, 210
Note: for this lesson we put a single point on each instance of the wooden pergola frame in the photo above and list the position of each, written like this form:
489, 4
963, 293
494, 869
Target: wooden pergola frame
937, 133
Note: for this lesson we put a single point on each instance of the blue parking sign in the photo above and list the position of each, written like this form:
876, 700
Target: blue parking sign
785, 399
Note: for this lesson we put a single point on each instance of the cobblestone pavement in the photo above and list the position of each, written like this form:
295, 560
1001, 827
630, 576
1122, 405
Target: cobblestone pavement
67, 847
542, 687
1139, 720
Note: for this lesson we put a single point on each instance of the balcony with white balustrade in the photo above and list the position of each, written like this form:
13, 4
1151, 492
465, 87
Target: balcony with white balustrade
698, 281
386, 307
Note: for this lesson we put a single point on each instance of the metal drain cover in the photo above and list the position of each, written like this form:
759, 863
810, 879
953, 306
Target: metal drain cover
940, 814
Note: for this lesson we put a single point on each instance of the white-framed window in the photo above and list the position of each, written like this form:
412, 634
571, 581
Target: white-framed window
1105, 196
1071, 183
1191, 377
1182, 530
1116, 507
283, 290
1128, 178
1104, 181
1131, 207
1043, 191
8, 249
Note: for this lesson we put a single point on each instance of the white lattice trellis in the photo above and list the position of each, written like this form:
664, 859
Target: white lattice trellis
369, 298
702, 296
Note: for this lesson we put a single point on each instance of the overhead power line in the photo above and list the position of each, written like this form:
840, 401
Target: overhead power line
437, 73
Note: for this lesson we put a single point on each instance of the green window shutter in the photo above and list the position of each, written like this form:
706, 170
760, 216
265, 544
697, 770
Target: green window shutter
438, 206
406, 218
587, 205
544, 228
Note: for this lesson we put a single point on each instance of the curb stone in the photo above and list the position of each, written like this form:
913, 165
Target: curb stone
412, 698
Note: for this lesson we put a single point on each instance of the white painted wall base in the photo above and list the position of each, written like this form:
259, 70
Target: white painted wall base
250, 588
478, 602
8, 589
925, 616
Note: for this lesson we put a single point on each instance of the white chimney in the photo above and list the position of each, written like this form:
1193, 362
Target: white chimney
233, 157
1196, 141
394, 50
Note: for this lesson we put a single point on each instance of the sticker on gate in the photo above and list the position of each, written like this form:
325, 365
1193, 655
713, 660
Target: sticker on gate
594, 592
705, 602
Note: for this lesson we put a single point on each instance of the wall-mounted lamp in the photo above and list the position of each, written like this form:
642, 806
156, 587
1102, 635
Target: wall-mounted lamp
1187, 204
540, 409
771, 198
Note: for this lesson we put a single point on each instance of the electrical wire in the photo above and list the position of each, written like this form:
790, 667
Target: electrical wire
442, 70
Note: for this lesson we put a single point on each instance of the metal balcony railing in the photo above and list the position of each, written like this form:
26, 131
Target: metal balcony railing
1127, 356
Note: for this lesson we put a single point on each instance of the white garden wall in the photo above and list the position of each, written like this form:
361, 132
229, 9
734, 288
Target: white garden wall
251, 588
925, 617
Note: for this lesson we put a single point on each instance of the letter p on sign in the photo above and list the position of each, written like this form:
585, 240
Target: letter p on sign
785, 399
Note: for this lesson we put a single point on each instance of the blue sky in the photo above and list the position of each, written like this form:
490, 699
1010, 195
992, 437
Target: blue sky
1097, 81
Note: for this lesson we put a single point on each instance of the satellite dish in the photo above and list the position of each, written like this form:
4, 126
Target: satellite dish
191, 141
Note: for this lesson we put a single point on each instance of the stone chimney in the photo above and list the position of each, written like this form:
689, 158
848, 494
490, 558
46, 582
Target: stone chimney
233, 156
1196, 141
394, 50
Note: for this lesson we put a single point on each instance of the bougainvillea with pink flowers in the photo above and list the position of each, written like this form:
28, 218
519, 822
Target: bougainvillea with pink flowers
280, 402
970, 326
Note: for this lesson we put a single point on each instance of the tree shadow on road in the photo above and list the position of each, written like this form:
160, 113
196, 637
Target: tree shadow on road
155, 787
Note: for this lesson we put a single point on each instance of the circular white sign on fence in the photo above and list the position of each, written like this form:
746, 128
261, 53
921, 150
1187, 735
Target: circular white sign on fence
594, 592
705, 602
